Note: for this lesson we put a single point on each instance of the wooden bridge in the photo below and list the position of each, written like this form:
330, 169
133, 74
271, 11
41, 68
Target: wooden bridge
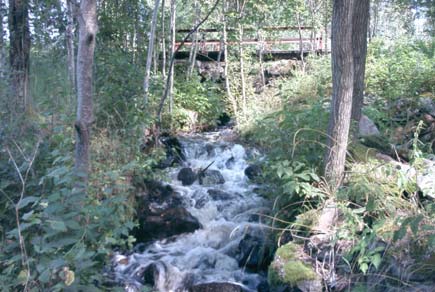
289, 47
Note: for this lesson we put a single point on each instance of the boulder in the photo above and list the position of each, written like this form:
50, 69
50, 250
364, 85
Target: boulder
174, 151
200, 198
253, 171
216, 287
255, 252
367, 127
211, 177
290, 272
427, 105
187, 176
426, 179
161, 213
219, 195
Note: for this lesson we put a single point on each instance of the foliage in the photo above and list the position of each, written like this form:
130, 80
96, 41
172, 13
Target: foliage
400, 70
196, 104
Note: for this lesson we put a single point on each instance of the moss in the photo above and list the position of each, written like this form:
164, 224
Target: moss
273, 277
287, 252
296, 271
287, 269
362, 153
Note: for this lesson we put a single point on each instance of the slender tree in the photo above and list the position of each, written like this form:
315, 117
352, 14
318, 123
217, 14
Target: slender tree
163, 40
342, 85
359, 47
226, 58
2, 42
85, 59
19, 54
69, 35
146, 83
171, 76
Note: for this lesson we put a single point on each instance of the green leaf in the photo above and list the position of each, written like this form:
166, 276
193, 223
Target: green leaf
376, 260
58, 225
414, 223
26, 201
364, 267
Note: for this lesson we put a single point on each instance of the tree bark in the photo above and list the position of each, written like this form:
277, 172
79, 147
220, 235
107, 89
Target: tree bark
163, 37
19, 55
69, 34
171, 77
2, 43
195, 44
226, 59
343, 81
85, 60
359, 45
146, 82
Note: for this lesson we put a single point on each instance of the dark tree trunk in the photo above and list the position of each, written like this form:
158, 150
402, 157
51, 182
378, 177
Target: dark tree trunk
85, 59
19, 36
343, 80
359, 44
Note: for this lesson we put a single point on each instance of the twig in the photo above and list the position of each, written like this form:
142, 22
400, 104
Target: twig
24, 256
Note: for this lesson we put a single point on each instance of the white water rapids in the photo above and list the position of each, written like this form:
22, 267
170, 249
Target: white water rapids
210, 253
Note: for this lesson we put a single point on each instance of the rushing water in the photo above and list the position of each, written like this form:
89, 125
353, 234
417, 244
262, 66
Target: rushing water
209, 254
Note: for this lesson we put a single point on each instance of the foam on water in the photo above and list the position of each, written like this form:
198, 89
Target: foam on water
208, 254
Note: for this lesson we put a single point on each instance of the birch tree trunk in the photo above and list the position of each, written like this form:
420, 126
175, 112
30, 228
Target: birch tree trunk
19, 55
146, 83
359, 45
342, 84
163, 41
85, 60
69, 35
171, 77
195, 43
226, 59
2, 43
242, 70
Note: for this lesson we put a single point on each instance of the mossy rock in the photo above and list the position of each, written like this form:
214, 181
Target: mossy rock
361, 153
288, 269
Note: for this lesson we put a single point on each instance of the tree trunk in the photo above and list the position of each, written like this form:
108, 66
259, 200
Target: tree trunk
195, 44
2, 43
301, 45
69, 35
163, 41
85, 59
242, 69
171, 77
359, 45
227, 62
19, 52
343, 80
146, 82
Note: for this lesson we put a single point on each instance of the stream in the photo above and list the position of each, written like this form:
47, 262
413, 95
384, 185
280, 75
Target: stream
228, 213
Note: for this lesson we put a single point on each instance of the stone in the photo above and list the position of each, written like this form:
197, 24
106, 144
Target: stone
426, 179
255, 252
367, 127
289, 271
187, 176
253, 171
427, 105
211, 177
216, 287
219, 195
161, 214
174, 151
